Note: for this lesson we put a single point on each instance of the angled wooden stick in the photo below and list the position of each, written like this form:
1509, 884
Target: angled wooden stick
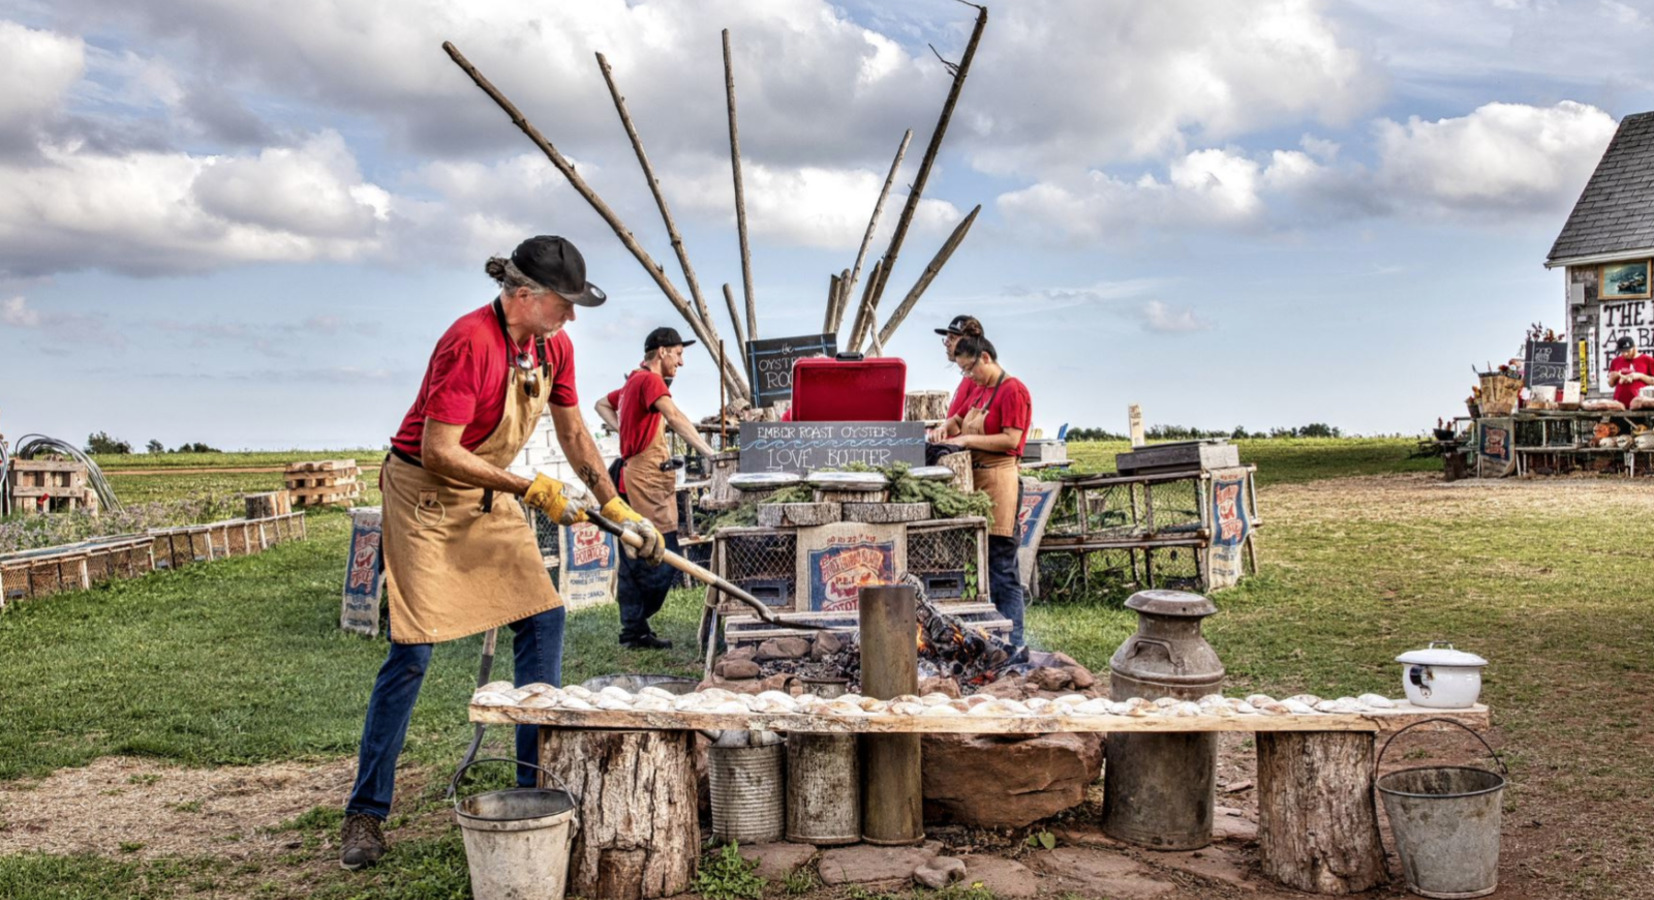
740, 195
878, 210
929, 275
580, 186
708, 323
863, 312
832, 300
918, 187
735, 320
841, 301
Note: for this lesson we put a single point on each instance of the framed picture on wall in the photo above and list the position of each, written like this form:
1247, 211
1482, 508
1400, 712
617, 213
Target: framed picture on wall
1624, 281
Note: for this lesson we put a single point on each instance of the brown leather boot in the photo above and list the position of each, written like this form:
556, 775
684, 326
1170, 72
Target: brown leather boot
362, 843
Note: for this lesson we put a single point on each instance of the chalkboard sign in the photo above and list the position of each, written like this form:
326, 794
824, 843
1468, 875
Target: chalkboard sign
806, 446
1547, 364
770, 364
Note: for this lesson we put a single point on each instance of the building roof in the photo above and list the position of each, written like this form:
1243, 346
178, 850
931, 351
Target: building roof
1616, 210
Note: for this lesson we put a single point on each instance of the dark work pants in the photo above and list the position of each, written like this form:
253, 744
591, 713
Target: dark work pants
1005, 579
642, 590
537, 656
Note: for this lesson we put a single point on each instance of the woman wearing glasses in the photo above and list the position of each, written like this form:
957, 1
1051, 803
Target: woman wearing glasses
994, 427
459, 555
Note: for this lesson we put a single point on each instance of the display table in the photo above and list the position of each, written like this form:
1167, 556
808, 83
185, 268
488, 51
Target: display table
1546, 442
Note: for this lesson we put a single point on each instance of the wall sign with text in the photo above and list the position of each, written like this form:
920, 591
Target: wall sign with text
770, 364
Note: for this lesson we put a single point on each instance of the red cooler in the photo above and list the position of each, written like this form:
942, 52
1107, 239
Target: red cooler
849, 390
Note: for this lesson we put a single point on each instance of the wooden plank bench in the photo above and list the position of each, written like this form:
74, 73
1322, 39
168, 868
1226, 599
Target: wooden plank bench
1317, 823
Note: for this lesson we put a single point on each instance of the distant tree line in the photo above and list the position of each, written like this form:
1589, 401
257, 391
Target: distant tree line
1183, 433
101, 442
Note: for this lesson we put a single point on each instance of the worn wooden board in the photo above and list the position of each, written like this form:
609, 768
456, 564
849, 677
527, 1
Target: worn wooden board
1378, 721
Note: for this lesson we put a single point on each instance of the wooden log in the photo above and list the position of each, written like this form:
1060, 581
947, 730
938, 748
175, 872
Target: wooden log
917, 189
797, 515
656, 271
735, 320
926, 406
960, 463
682, 252
822, 496
640, 832
872, 226
740, 193
1317, 828
925, 278
864, 310
885, 513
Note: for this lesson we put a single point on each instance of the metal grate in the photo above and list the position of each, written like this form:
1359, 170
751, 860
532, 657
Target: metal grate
761, 561
946, 558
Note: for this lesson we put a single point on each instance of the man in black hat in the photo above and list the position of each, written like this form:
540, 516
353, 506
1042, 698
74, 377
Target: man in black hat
1630, 371
642, 410
459, 555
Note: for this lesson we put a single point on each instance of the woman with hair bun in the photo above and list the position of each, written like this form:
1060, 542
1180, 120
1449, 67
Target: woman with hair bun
994, 427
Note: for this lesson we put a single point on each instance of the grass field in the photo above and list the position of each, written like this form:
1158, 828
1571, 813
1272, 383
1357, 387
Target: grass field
241, 662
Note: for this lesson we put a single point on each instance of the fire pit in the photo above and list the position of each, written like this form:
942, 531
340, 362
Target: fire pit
964, 644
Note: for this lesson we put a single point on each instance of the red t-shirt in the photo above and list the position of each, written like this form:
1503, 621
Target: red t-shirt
1012, 407
1626, 391
466, 378
961, 397
634, 406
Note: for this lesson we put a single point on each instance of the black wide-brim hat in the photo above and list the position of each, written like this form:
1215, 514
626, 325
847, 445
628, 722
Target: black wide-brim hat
557, 264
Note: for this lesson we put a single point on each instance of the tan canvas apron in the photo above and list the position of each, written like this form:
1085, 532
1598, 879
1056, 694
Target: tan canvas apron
453, 569
996, 474
650, 491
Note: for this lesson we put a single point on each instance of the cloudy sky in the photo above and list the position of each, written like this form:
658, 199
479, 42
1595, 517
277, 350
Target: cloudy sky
247, 224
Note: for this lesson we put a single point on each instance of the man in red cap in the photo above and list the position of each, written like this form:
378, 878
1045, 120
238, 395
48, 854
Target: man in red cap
642, 410
460, 557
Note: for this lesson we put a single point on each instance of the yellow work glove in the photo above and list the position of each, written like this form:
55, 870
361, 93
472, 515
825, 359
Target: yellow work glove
653, 548
546, 495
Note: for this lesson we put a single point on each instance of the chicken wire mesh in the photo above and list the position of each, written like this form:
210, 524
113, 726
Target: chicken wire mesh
1113, 574
946, 558
761, 561
1129, 510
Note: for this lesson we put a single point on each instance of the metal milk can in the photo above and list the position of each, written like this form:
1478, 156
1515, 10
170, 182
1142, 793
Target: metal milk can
1158, 788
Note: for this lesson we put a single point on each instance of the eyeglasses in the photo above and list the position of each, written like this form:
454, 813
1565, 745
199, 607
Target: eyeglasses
531, 375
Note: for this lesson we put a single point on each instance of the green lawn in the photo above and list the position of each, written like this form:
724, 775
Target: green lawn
241, 661
239, 458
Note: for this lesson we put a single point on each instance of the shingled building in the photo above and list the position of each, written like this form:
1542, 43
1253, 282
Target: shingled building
1606, 248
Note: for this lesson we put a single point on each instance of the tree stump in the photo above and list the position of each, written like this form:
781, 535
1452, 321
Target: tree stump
640, 834
1317, 828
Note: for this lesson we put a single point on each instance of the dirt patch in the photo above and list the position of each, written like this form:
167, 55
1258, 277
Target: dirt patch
126, 806
1417, 496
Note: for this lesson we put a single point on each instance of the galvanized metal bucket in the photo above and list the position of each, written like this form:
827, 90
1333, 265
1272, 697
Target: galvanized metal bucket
517, 841
823, 789
1445, 821
748, 793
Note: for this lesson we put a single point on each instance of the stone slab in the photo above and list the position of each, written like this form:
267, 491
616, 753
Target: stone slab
1100, 873
865, 863
1212, 863
1006, 879
777, 860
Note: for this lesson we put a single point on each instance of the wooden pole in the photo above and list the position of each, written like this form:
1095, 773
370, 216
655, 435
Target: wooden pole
735, 320
892, 788
863, 311
832, 300
723, 429
655, 270
929, 275
878, 210
841, 301
740, 195
682, 252
919, 179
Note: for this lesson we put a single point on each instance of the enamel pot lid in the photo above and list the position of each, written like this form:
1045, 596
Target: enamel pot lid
1440, 653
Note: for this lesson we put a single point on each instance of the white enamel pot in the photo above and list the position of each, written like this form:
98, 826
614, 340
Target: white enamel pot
1441, 677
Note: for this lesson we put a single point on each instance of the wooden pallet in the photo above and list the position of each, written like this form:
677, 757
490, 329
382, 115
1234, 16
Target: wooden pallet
322, 482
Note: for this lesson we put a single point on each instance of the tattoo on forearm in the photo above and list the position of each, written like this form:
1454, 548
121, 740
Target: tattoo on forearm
590, 475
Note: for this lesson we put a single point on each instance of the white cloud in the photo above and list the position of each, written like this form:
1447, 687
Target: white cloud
1498, 160
1502, 156
16, 313
37, 68
151, 212
1075, 83
1159, 317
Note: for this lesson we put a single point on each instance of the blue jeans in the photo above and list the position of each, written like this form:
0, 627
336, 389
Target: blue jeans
537, 655
641, 590
1005, 579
